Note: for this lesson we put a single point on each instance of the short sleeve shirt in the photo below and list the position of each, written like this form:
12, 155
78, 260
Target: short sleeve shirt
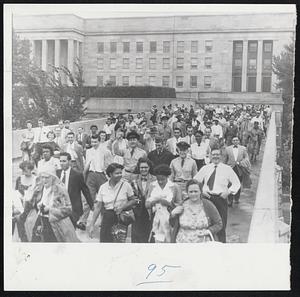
107, 194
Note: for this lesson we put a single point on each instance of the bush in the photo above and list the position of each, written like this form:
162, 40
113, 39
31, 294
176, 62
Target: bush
129, 92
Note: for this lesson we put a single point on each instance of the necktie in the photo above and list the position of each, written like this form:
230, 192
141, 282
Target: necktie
132, 152
211, 180
182, 162
190, 141
64, 177
143, 179
40, 135
235, 146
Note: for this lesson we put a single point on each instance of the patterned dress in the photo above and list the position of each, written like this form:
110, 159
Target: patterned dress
192, 222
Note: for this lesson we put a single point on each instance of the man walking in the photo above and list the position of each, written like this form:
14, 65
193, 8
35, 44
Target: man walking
215, 178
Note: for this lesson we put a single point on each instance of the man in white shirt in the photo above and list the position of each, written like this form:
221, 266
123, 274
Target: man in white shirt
64, 128
109, 128
97, 160
189, 138
216, 129
215, 178
40, 138
258, 118
200, 150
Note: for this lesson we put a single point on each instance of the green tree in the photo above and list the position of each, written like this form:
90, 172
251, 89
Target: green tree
283, 67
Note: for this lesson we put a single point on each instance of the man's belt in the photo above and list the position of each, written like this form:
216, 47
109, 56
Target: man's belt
180, 180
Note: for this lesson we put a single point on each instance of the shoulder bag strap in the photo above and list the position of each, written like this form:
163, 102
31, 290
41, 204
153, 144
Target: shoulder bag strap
118, 193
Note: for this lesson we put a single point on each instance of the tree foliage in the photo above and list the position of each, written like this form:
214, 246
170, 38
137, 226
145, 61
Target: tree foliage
53, 95
283, 67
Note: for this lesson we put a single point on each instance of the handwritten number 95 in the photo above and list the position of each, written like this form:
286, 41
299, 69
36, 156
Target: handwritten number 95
163, 269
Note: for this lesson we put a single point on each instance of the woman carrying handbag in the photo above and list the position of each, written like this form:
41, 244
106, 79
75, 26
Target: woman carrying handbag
115, 200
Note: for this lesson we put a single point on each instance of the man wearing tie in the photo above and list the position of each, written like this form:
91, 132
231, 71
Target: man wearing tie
215, 178
40, 139
75, 185
237, 158
189, 138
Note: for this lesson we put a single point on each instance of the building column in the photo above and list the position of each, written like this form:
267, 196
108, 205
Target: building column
44, 54
274, 79
32, 52
56, 52
244, 67
77, 44
259, 66
71, 55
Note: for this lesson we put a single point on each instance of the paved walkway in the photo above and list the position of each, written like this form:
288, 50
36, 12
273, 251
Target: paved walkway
239, 216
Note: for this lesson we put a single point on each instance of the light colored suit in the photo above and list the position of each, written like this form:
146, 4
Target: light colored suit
229, 156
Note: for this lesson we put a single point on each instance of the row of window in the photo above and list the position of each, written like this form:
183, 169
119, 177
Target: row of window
166, 46
252, 46
252, 64
139, 63
251, 84
153, 81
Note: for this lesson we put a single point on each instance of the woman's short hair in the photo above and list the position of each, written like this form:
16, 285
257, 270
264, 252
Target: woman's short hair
143, 160
51, 132
193, 182
112, 167
162, 169
26, 165
48, 147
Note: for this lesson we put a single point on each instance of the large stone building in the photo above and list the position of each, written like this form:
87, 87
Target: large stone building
225, 58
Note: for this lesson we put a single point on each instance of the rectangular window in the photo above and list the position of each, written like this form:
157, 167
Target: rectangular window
267, 64
208, 62
152, 80
208, 46
266, 84
193, 81
179, 81
166, 46
252, 64
237, 63
113, 63
166, 63
113, 80
268, 46
126, 47
194, 63
165, 81
138, 80
194, 46
100, 46
251, 84
180, 62
238, 46
100, 81
252, 46
125, 80
180, 46
125, 63
152, 63
207, 82
139, 47
100, 63
113, 47
152, 46
237, 84
139, 63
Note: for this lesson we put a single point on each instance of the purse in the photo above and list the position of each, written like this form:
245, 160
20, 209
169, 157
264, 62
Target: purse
126, 217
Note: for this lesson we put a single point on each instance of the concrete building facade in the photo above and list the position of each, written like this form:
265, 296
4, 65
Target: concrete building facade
197, 55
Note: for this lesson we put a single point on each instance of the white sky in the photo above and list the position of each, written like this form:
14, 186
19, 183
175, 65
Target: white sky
135, 10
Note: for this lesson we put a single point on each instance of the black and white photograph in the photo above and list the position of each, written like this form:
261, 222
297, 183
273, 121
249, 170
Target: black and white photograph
148, 127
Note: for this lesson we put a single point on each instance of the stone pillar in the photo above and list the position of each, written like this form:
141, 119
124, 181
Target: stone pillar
77, 43
57, 53
259, 66
44, 54
245, 64
70, 55
32, 52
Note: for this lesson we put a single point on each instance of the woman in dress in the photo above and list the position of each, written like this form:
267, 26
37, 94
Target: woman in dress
119, 146
51, 142
26, 179
197, 219
164, 195
114, 196
27, 142
255, 138
142, 225
51, 203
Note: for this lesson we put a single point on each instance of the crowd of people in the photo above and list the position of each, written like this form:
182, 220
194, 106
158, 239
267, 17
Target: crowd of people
169, 174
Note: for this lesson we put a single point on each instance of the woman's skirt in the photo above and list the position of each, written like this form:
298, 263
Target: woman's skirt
42, 231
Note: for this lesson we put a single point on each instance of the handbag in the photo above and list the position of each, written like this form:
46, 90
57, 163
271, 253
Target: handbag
126, 217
